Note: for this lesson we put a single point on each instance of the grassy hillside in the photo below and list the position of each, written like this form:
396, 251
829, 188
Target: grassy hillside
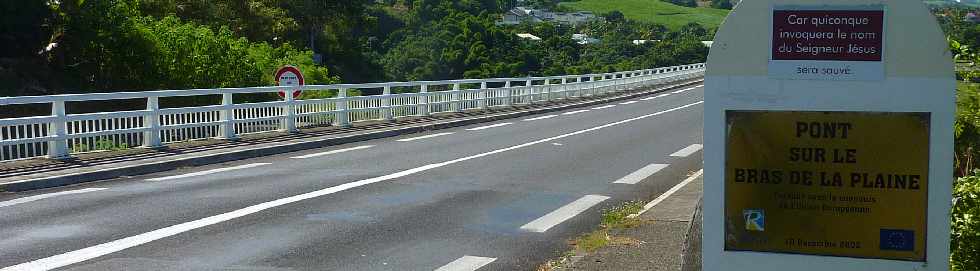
654, 11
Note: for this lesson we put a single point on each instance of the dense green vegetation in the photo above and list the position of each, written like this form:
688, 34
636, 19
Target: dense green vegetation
654, 11
965, 241
76, 46
965, 233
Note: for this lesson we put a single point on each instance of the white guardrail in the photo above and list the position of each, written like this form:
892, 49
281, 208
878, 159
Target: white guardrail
60, 135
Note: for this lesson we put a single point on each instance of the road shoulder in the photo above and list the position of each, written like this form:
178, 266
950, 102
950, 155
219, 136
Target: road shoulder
659, 239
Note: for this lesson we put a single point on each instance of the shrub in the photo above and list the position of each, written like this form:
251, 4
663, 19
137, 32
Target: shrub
967, 128
965, 232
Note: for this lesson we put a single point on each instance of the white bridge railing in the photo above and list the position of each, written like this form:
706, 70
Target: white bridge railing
60, 134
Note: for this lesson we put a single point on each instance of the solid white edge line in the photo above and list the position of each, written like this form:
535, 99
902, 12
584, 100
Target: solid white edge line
688, 151
604, 107
541, 118
667, 194
423, 137
207, 172
490, 126
686, 89
332, 152
96, 251
466, 263
656, 97
45, 196
542, 224
641, 174
575, 112
626, 103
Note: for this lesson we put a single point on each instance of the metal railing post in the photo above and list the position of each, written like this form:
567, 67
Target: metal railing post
481, 97
342, 117
620, 83
289, 112
424, 101
151, 121
530, 89
386, 112
227, 115
457, 98
564, 87
58, 147
510, 94
547, 90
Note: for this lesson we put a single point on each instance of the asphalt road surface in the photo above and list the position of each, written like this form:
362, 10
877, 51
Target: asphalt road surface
496, 196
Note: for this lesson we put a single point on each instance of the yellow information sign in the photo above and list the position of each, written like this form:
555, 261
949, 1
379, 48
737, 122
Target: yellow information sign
851, 184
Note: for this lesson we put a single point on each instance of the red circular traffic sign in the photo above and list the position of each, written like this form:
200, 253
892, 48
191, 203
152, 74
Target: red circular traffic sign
289, 76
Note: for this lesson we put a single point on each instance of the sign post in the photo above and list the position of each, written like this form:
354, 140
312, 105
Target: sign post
828, 138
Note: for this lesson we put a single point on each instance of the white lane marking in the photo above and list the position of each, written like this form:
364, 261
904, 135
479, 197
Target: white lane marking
643, 173
423, 137
656, 97
575, 112
490, 126
630, 102
667, 194
96, 251
332, 152
541, 118
44, 196
207, 172
604, 107
466, 263
686, 89
566, 212
685, 152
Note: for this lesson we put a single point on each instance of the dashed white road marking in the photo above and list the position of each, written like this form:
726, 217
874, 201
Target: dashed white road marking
656, 97
332, 152
641, 174
685, 152
423, 137
630, 102
490, 126
575, 112
117, 245
466, 263
566, 212
541, 118
667, 194
604, 107
45, 196
207, 172
686, 89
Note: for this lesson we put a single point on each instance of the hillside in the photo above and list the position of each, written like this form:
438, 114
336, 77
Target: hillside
654, 11
967, 3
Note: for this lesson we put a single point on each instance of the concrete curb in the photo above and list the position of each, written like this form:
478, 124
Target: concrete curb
268, 150
691, 258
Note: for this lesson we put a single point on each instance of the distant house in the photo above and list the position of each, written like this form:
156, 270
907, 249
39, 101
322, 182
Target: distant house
584, 39
520, 15
528, 36
707, 43
971, 18
641, 42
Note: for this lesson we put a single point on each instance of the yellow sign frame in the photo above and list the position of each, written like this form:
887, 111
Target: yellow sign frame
849, 184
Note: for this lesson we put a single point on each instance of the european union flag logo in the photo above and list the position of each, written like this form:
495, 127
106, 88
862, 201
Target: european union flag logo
898, 240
